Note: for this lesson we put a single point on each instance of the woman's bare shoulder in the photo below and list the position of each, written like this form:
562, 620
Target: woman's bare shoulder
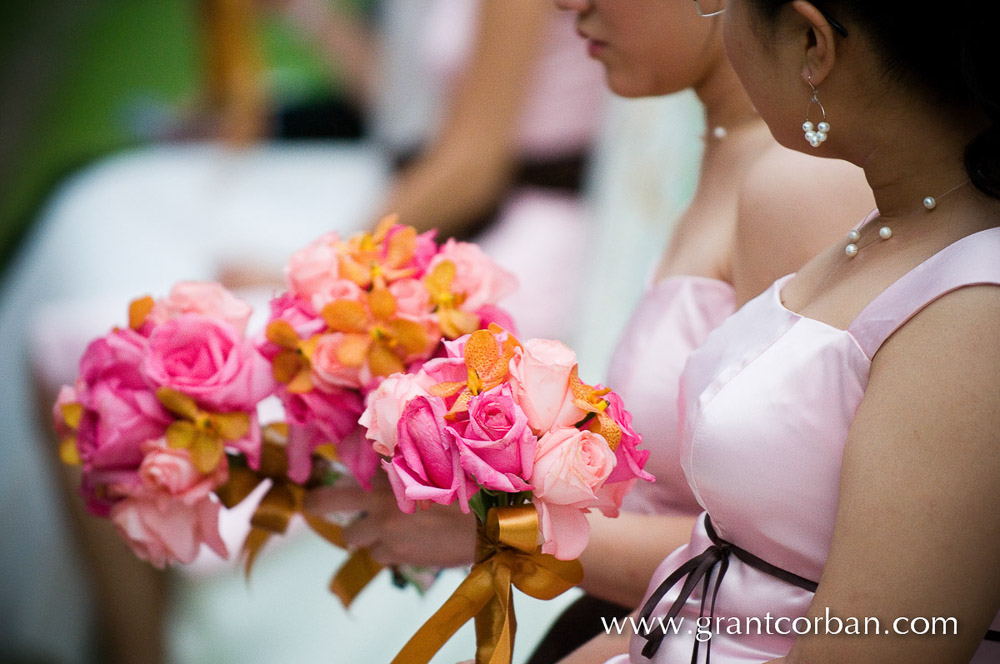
791, 207
786, 190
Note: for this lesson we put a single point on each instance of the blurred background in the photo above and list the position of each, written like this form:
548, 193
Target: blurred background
81, 79
144, 142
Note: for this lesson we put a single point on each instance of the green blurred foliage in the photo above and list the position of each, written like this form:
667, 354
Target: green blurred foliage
116, 66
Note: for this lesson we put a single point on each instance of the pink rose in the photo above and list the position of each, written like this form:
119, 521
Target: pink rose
328, 373
455, 348
313, 271
476, 276
445, 370
540, 373
357, 455
206, 298
490, 314
631, 460
169, 512
571, 468
169, 472
209, 362
413, 301
424, 252
121, 411
316, 418
101, 489
302, 319
164, 531
426, 465
495, 444
385, 405
341, 289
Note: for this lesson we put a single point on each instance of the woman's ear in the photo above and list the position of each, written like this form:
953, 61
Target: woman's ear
818, 42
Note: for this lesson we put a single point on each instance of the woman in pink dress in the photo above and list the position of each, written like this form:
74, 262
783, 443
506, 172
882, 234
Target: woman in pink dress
713, 263
719, 256
840, 430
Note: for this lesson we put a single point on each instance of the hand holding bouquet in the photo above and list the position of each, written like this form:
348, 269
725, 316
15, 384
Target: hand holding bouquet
509, 431
164, 415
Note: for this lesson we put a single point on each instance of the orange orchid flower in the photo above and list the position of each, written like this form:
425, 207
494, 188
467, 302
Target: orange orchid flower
487, 366
362, 261
293, 363
201, 433
453, 321
69, 454
591, 400
374, 334
138, 310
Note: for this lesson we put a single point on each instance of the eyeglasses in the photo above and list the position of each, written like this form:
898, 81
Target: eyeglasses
708, 8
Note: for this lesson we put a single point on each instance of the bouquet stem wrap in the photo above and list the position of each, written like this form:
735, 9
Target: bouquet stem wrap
507, 555
283, 499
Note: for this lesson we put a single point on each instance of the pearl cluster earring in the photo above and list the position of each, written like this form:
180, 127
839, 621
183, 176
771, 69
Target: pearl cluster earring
815, 134
929, 203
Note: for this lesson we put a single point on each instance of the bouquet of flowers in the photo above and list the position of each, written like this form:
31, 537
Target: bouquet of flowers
355, 312
164, 415
359, 310
159, 411
510, 432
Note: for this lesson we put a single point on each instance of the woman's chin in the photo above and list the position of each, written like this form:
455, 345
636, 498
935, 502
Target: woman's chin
629, 87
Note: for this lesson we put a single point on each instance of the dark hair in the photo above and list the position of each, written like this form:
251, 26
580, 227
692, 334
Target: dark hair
949, 51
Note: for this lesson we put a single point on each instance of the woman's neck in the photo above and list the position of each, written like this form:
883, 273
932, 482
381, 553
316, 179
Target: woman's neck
724, 100
919, 153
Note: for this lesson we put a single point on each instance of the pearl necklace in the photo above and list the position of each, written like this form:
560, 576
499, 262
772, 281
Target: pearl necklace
885, 232
719, 132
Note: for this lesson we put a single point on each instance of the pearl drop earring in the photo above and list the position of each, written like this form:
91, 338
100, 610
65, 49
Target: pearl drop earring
815, 134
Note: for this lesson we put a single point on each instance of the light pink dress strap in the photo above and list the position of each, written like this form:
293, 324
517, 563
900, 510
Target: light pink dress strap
971, 261
868, 217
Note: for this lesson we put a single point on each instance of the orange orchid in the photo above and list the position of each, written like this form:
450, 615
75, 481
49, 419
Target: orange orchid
202, 434
293, 363
590, 400
370, 259
138, 310
71, 413
453, 321
487, 366
374, 335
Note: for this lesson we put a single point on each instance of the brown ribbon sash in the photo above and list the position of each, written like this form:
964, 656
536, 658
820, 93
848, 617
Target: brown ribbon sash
507, 555
700, 568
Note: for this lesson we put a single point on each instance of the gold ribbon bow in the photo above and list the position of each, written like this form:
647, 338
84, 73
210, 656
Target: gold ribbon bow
507, 555
283, 499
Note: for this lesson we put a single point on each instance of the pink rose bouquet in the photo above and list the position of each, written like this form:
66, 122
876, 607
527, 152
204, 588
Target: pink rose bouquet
509, 431
359, 310
163, 417
157, 407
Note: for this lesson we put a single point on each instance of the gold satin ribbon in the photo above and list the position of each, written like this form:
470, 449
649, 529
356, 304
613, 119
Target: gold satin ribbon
284, 499
506, 555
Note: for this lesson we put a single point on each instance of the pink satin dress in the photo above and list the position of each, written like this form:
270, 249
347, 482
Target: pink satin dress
765, 408
673, 317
